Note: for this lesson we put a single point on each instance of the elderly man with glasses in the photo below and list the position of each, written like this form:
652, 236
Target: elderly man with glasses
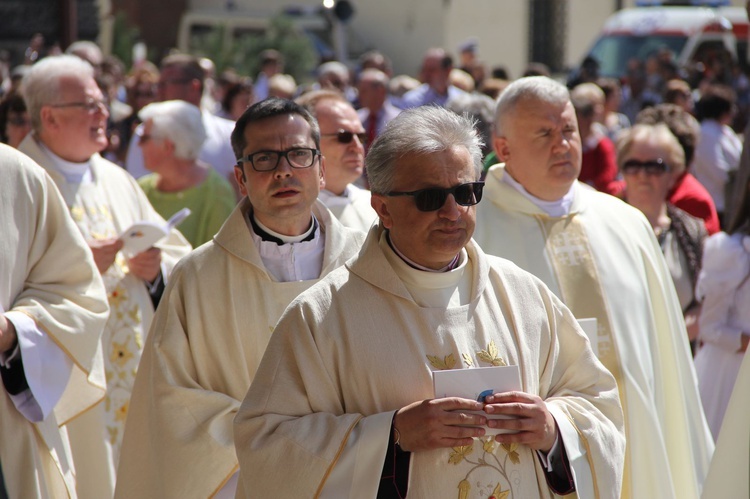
600, 256
342, 141
222, 305
343, 403
69, 120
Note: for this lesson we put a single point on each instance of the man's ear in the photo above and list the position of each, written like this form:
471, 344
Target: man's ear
322, 172
47, 117
239, 177
500, 145
377, 201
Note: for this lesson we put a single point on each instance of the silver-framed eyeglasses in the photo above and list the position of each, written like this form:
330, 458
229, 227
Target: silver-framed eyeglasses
266, 161
91, 106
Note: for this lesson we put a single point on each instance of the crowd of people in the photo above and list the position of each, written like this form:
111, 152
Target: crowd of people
283, 339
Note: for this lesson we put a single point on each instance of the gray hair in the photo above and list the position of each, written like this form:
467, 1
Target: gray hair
539, 88
179, 122
41, 83
420, 130
658, 134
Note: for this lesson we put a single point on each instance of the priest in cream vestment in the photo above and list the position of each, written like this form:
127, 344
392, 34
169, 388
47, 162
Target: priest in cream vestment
53, 297
220, 309
342, 404
69, 121
600, 257
342, 144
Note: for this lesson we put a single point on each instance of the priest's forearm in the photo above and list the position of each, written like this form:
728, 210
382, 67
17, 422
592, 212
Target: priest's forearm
8, 338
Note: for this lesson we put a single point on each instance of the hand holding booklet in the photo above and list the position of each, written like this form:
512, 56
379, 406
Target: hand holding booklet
477, 383
142, 235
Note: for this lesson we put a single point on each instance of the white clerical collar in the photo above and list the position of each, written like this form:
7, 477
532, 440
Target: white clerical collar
558, 208
450, 288
75, 173
288, 239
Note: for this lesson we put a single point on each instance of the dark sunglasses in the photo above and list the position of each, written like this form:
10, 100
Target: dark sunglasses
434, 198
344, 137
651, 167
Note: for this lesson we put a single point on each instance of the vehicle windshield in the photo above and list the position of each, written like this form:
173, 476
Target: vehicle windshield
614, 51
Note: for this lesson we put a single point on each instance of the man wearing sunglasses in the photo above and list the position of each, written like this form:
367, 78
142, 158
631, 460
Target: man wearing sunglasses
343, 402
342, 140
221, 307
599, 255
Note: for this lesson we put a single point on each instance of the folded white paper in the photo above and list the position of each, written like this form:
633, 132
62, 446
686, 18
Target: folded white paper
142, 235
477, 383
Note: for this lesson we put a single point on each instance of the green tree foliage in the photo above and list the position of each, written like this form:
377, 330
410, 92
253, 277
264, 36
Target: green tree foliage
241, 52
123, 38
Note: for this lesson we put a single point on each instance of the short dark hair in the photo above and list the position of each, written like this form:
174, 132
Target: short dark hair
716, 101
188, 65
268, 108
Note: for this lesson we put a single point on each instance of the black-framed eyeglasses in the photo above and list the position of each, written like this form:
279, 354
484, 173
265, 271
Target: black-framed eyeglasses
91, 106
432, 199
345, 137
266, 161
651, 167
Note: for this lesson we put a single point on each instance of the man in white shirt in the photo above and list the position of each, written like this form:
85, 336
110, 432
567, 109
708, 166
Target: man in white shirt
342, 139
717, 154
222, 305
182, 78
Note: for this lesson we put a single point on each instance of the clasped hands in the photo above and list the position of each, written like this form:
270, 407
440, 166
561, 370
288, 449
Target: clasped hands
145, 265
437, 423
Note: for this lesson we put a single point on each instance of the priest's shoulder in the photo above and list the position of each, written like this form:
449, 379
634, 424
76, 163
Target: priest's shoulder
611, 207
14, 162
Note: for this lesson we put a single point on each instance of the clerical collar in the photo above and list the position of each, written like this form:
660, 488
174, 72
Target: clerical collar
557, 208
75, 173
267, 234
452, 265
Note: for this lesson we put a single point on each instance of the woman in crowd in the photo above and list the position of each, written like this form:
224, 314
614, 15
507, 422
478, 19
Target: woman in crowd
724, 287
651, 159
15, 123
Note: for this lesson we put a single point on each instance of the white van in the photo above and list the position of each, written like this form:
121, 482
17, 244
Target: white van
688, 32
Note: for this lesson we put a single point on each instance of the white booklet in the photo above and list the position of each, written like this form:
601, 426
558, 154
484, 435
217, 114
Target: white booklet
142, 235
475, 384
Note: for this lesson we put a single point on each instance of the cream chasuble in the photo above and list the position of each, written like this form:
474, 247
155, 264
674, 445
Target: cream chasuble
207, 339
102, 209
48, 273
625, 284
353, 349
729, 474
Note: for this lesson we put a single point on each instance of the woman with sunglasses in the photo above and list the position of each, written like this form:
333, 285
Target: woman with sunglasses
650, 159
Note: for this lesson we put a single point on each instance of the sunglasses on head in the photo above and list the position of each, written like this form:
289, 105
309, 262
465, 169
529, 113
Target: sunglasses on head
434, 198
651, 167
344, 137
